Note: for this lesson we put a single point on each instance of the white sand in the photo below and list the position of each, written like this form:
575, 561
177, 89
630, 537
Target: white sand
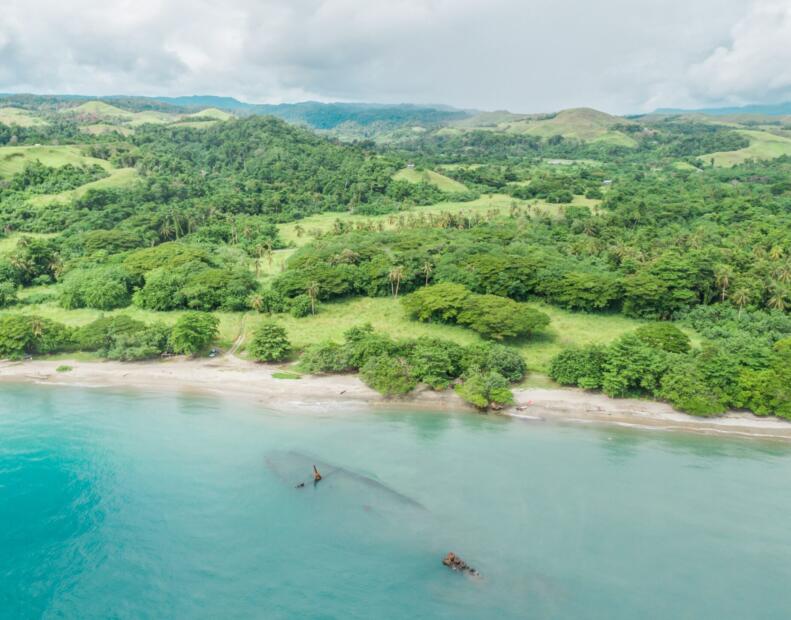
231, 376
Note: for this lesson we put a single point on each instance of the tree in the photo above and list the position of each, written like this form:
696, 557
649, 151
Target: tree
664, 336
723, 274
499, 317
580, 366
396, 275
485, 390
740, 297
193, 332
313, 292
439, 302
270, 343
389, 375
7, 293
427, 268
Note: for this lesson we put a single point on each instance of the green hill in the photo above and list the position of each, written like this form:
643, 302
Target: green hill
440, 181
215, 113
20, 117
583, 124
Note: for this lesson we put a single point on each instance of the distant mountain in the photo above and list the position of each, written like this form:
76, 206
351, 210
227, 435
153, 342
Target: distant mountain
772, 109
331, 115
207, 101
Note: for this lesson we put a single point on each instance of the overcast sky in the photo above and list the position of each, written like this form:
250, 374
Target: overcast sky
521, 55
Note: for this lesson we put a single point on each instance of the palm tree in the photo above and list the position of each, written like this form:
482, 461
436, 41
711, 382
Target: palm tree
396, 274
778, 299
427, 268
776, 252
723, 275
256, 302
313, 293
783, 273
740, 297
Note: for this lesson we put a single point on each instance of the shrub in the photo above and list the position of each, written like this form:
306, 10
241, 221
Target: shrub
268, 301
685, 387
270, 343
147, 343
664, 336
21, 334
193, 332
389, 375
633, 367
363, 344
504, 360
581, 366
103, 288
440, 303
485, 390
499, 317
326, 357
7, 293
300, 306
435, 362
123, 338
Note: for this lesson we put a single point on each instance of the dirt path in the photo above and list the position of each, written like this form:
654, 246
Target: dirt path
239, 339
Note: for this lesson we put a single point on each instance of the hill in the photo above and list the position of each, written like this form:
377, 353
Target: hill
775, 109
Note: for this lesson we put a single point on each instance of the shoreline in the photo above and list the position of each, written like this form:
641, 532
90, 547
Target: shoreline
231, 376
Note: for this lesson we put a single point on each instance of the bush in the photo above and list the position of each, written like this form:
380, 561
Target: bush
389, 375
363, 344
326, 357
123, 338
632, 367
270, 343
685, 387
7, 293
664, 336
268, 301
21, 335
583, 366
103, 288
300, 306
485, 390
499, 317
435, 362
193, 332
504, 360
439, 303
147, 343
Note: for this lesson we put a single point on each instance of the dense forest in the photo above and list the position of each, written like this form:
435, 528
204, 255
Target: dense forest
653, 232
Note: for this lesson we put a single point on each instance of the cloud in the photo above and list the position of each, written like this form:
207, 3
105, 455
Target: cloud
524, 55
756, 64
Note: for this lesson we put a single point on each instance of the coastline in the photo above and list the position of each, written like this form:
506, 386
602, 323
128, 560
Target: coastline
231, 376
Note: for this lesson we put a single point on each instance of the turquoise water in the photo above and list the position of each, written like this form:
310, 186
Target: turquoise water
136, 505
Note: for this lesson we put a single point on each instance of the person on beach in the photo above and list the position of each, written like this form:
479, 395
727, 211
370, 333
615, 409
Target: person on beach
316, 475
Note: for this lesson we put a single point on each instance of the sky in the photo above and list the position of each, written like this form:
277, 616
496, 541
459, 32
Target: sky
621, 56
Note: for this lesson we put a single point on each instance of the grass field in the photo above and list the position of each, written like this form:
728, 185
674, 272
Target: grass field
101, 128
20, 117
763, 145
580, 123
14, 158
8, 244
385, 314
440, 181
119, 177
321, 223
215, 113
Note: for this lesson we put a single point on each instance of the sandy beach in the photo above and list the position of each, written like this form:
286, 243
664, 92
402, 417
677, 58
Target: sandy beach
232, 376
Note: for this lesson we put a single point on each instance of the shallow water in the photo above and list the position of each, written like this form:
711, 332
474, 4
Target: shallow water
139, 505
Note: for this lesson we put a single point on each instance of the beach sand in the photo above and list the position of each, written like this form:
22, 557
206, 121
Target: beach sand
231, 376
